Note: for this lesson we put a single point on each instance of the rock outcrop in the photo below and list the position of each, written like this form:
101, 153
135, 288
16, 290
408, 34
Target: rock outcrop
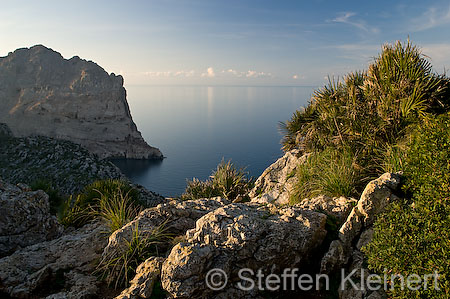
357, 231
67, 166
277, 182
175, 216
141, 286
41, 93
25, 218
61, 267
241, 236
337, 207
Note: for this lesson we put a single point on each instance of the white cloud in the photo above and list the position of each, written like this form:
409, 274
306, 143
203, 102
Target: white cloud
431, 18
347, 18
298, 77
255, 74
438, 54
168, 74
209, 73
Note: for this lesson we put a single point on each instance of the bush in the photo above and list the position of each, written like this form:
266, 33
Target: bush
116, 209
369, 112
226, 181
113, 201
330, 172
197, 189
413, 236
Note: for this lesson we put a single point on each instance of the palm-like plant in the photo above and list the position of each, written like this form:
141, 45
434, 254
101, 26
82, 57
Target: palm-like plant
369, 111
402, 84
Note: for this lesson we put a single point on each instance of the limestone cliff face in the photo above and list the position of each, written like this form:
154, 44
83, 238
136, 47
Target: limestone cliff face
41, 93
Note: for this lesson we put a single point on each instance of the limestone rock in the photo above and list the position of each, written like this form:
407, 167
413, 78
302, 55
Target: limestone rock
374, 199
142, 284
357, 230
41, 93
240, 236
365, 238
177, 216
377, 195
338, 207
334, 259
351, 228
276, 183
25, 218
64, 263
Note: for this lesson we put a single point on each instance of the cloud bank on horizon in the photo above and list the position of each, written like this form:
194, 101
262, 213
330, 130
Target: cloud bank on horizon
257, 42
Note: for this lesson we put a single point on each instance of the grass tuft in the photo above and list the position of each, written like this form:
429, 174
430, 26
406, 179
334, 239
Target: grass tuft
117, 269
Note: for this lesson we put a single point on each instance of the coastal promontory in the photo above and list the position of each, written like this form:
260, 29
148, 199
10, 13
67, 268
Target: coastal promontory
42, 93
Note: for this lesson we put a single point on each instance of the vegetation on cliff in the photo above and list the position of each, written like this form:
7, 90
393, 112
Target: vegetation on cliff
392, 117
370, 114
413, 236
226, 180
59, 165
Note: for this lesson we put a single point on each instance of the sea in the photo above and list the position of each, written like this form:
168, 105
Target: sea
195, 127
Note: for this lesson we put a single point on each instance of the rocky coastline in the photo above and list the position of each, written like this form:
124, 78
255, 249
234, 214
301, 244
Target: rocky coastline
42, 93
213, 233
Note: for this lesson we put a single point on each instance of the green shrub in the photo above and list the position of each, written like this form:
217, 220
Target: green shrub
117, 268
392, 158
72, 212
108, 188
197, 189
369, 112
116, 209
413, 236
230, 181
329, 172
113, 201
226, 181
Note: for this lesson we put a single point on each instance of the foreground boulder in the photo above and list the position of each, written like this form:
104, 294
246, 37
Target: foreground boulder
41, 93
141, 286
336, 207
25, 218
240, 236
277, 182
61, 267
175, 217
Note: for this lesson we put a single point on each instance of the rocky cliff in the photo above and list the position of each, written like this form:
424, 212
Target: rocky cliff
41, 93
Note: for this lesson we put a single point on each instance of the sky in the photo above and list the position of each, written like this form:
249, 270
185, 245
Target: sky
217, 42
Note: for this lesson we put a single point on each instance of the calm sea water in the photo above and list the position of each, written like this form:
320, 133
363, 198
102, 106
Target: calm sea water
195, 127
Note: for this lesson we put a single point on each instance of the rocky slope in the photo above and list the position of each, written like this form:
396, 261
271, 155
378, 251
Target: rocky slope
41, 93
66, 166
217, 235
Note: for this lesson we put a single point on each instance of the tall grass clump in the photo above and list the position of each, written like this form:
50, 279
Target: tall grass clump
329, 172
116, 209
412, 237
226, 180
117, 268
113, 201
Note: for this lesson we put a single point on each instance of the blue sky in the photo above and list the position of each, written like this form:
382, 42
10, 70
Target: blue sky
227, 42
